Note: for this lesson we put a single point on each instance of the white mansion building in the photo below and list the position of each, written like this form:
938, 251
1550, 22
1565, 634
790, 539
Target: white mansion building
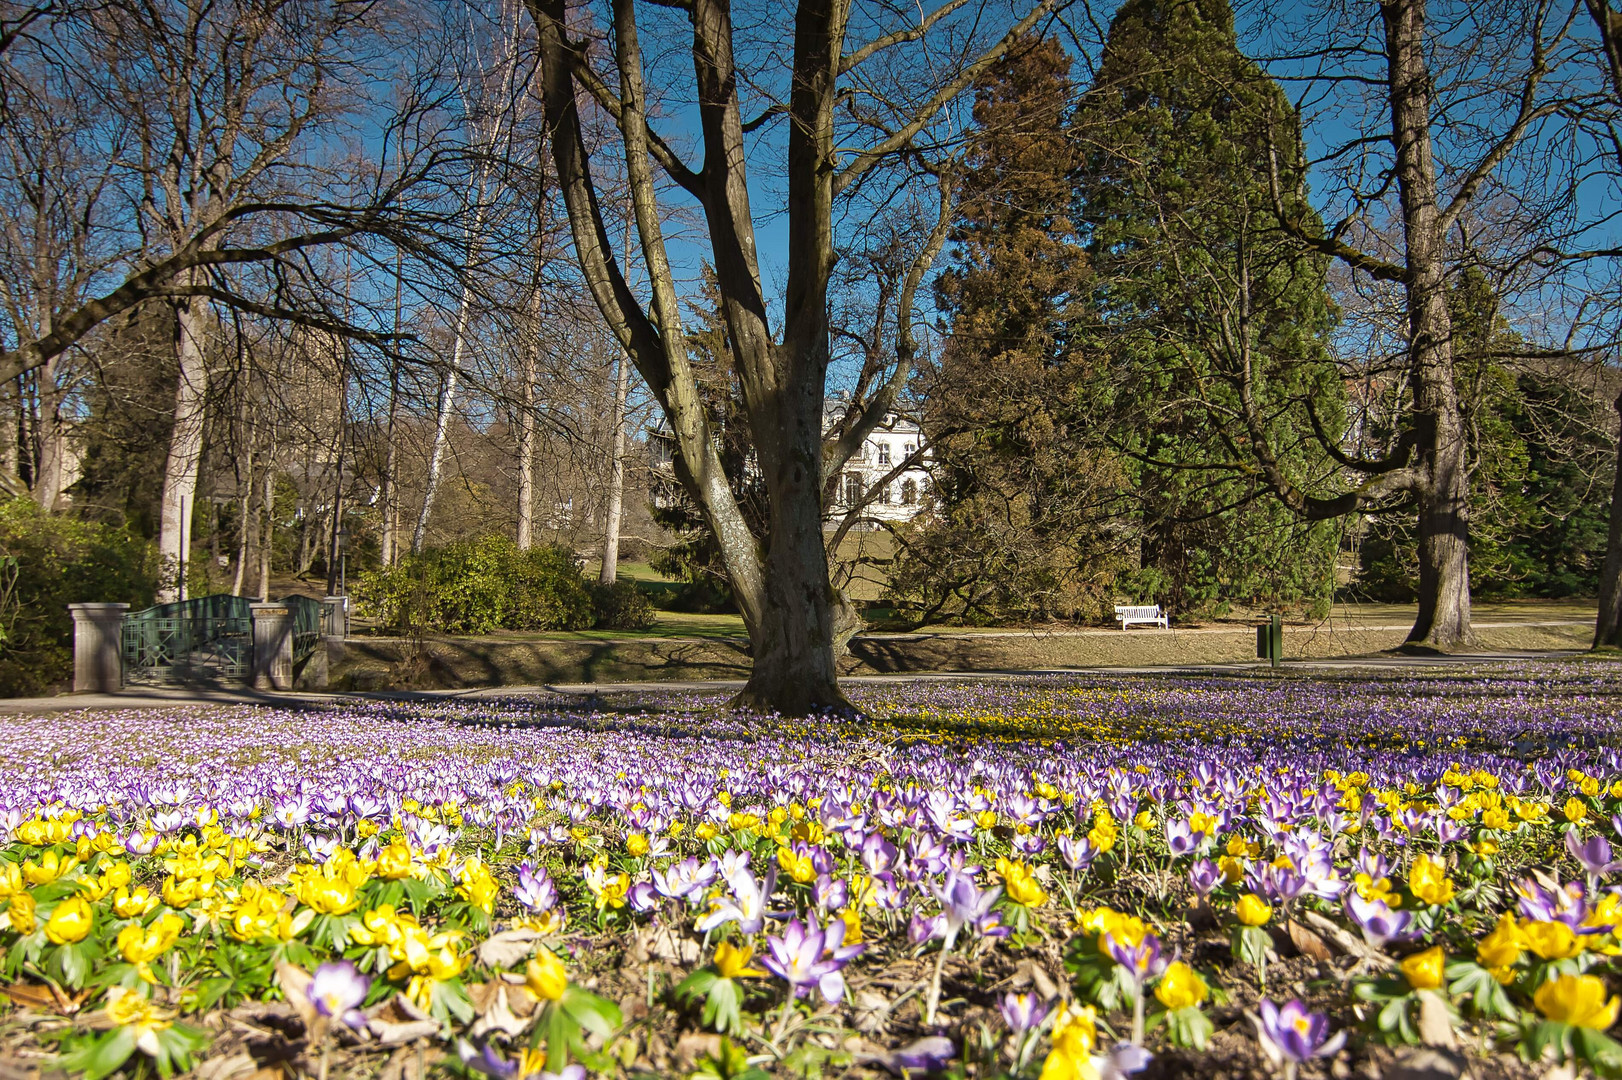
899, 497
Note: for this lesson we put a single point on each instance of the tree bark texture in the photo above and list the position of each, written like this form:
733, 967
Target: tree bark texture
185, 448
1442, 490
609, 571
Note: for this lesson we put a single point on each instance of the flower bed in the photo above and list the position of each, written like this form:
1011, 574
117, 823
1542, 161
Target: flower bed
1055, 878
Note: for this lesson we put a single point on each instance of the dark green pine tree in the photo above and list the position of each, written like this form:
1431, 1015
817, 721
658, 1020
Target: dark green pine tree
1019, 482
1214, 323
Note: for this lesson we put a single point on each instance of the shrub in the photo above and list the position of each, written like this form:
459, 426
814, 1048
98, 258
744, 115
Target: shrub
622, 606
478, 586
46, 563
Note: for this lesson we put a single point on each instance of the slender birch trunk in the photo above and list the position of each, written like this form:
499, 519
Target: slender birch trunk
244, 525
442, 421
526, 444
185, 449
616, 476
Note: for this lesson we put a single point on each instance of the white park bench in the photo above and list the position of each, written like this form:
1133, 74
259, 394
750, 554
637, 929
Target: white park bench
1141, 613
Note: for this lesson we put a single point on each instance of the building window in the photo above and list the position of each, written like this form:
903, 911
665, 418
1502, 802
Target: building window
883, 498
910, 448
909, 492
853, 488
884, 453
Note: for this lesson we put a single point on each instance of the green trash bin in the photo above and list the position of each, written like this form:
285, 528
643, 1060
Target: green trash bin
1270, 640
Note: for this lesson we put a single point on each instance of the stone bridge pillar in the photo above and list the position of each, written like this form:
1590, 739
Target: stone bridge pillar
98, 647
272, 646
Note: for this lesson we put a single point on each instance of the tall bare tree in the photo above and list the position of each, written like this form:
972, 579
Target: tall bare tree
1463, 97
780, 578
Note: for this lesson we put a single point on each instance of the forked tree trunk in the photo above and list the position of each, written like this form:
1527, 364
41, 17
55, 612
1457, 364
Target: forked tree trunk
1608, 626
609, 571
1443, 492
185, 448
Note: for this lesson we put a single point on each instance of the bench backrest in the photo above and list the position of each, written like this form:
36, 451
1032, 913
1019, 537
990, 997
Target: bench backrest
1151, 611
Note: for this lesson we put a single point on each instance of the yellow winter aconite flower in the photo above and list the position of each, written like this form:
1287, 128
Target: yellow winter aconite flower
133, 904
1233, 870
261, 913
732, 961
1075, 1034
606, 891
130, 1009
140, 945
114, 875
1181, 987
547, 979
1551, 940
1020, 884
394, 861
11, 879
799, 868
1577, 999
329, 896
1501, 949
50, 867
20, 914
637, 844
70, 922
1575, 811
1370, 889
1424, 970
476, 885
1428, 880
1252, 910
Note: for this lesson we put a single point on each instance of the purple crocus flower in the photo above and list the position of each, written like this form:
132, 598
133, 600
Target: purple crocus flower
964, 903
1078, 855
535, 889
922, 928
1291, 1034
1181, 839
485, 1059
878, 854
686, 880
747, 904
1594, 854
336, 990
919, 1057
1023, 1012
804, 956
1378, 921
1142, 960
1204, 876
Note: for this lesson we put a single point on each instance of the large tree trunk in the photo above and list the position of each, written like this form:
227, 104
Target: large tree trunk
51, 432
1608, 626
794, 670
616, 477
185, 449
1443, 493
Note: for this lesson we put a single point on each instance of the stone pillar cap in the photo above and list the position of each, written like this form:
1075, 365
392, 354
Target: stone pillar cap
98, 607
275, 606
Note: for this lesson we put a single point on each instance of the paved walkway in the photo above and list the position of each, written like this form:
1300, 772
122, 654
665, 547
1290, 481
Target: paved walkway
173, 697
